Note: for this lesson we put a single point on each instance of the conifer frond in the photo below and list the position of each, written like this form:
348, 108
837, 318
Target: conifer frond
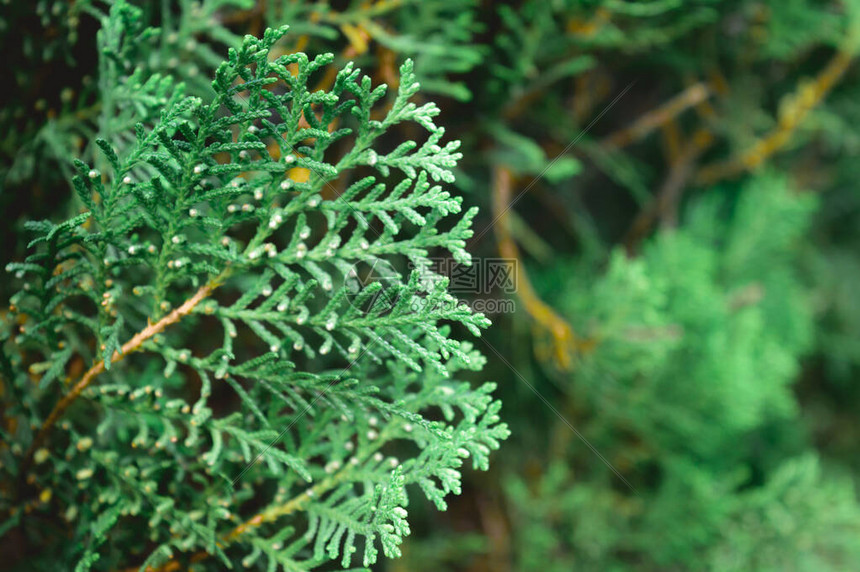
224, 212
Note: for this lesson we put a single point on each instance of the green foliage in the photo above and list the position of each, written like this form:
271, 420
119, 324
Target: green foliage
698, 341
439, 35
707, 323
254, 263
327, 383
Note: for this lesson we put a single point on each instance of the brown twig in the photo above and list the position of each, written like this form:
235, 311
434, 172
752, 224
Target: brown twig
804, 100
566, 343
653, 119
497, 531
130, 346
589, 28
671, 140
665, 204
271, 514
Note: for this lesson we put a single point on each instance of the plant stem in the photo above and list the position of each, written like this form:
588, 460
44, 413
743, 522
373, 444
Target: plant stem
565, 341
131, 345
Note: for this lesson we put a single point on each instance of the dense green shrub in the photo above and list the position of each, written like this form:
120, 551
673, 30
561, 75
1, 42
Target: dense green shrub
238, 334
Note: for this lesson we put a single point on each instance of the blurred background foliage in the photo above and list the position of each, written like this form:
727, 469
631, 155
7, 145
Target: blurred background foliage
678, 183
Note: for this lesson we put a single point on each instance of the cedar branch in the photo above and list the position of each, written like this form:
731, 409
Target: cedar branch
271, 514
130, 346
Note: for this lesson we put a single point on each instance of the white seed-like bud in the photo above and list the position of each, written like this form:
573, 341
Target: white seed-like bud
371, 435
198, 169
193, 212
71, 513
286, 184
364, 245
252, 129
372, 157
84, 444
132, 249
243, 154
298, 346
313, 202
151, 249
84, 474
408, 427
225, 241
267, 291
349, 446
126, 180
232, 208
176, 239
93, 174
377, 456
392, 462
247, 207
258, 194
282, 307
274, 348
289, 159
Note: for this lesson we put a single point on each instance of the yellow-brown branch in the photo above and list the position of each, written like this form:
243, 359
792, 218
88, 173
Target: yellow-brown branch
805, 99
653, 119
271, 514
565, 342
130, 346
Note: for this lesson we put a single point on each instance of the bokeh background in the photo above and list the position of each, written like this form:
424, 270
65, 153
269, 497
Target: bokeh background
676, 184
